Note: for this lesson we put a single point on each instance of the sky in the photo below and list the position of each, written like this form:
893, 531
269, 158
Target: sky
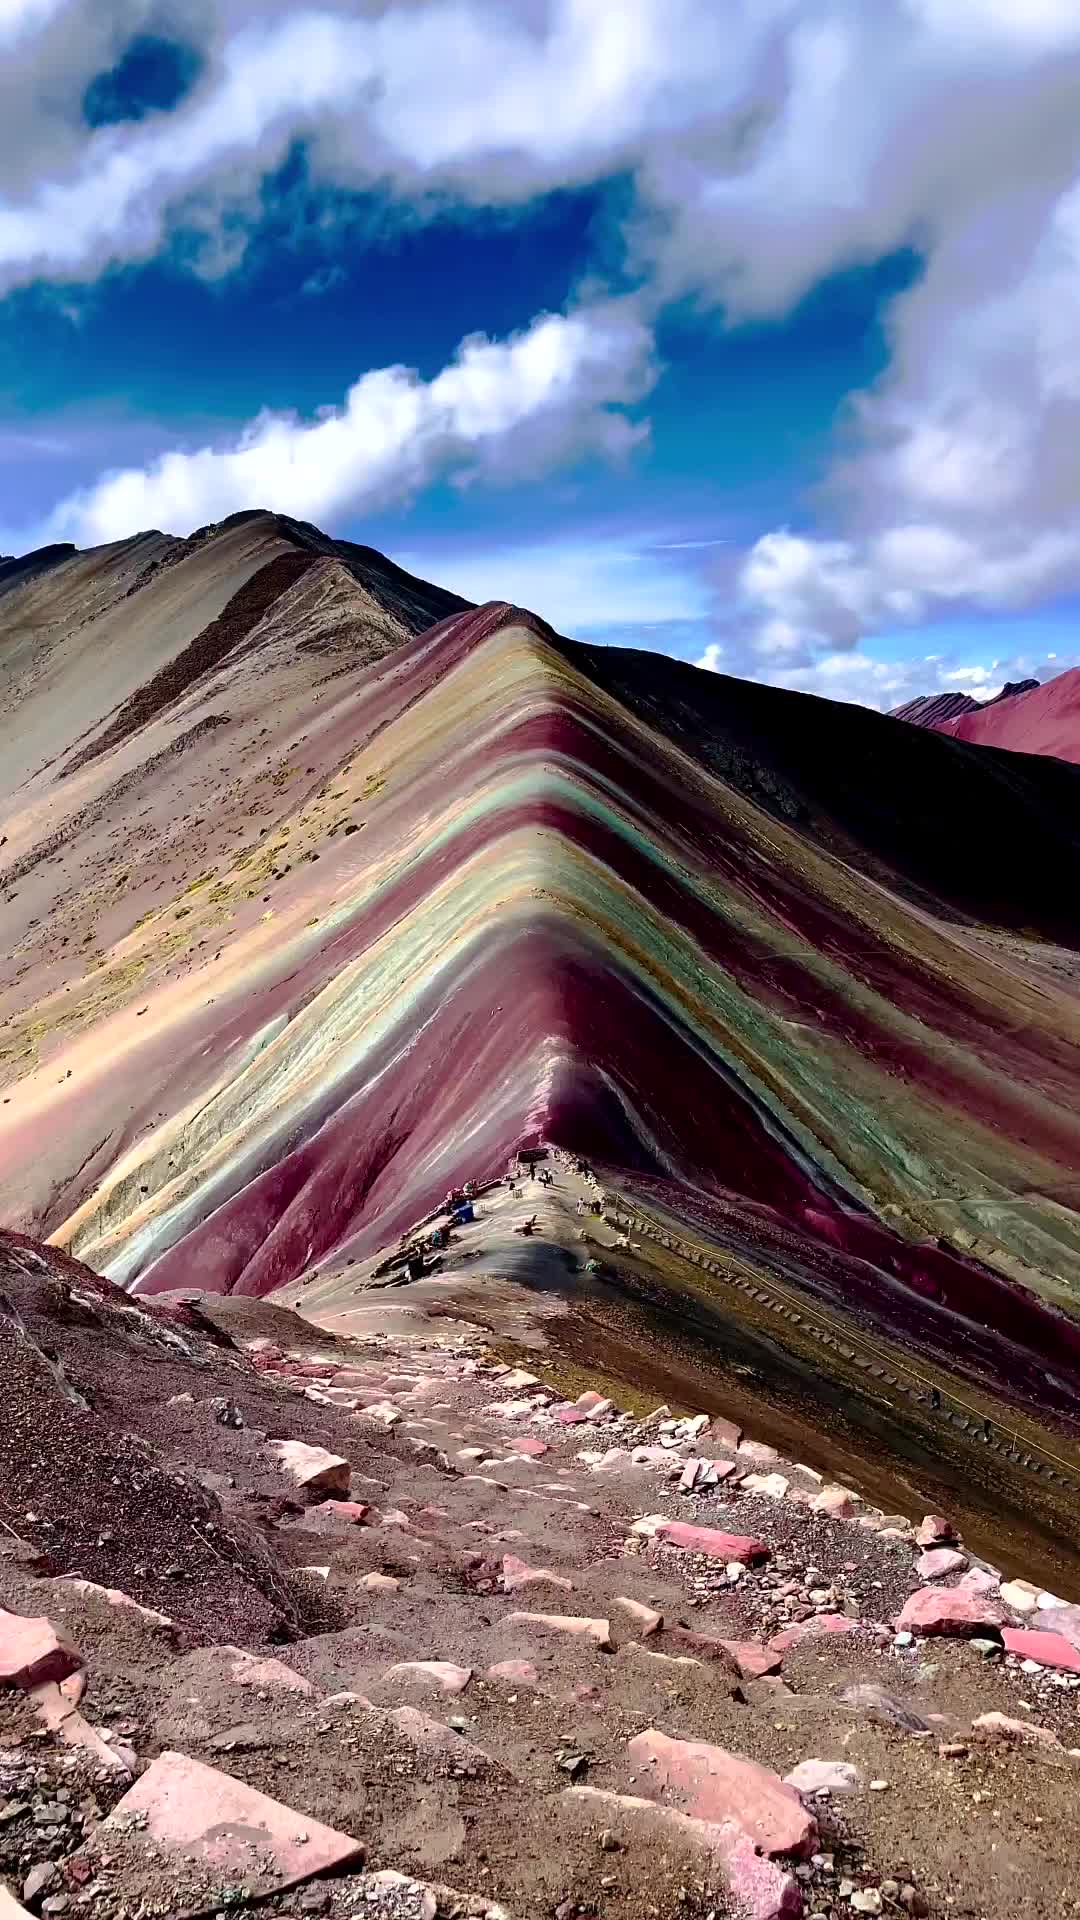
745, 330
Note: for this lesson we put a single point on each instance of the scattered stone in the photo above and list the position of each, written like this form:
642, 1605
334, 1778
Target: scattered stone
949, 1610
520, 1673
314, 1470
516, 1574
939, 1562
754, 1453
980, 1580
836, 1502
990, 1649
935, 1531
380, 1583
1020, 1595
708, 1540
824, 1776
867, 1900
439, 1673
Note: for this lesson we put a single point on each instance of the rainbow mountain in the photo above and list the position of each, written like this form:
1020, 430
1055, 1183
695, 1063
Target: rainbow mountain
325, 892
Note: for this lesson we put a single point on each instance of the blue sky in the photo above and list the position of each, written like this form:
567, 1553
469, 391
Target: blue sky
729, 339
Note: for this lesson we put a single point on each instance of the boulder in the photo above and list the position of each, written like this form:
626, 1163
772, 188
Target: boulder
710, 1541
1064, 1620
773, 1485
709, 1783
33, 1653
182, 1812
314, 1470
954, 1611
753, 1453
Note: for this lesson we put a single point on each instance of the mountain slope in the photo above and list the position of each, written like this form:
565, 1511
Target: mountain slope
349, 915
1023, 718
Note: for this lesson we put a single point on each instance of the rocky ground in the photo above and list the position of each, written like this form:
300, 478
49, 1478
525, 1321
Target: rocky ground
386, 1626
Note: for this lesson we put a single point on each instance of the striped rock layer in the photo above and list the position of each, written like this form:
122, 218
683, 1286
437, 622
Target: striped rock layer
407, 905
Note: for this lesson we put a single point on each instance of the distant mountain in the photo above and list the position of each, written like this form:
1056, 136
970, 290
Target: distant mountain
1023, 718
324, 892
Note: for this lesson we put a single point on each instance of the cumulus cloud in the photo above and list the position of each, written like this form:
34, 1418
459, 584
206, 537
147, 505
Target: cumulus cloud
770, 142
501, 409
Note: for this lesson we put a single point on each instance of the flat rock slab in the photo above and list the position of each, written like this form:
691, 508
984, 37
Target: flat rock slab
764, 1891
1049, 1649
232, 1838
710, 1541
443, 1674
572, 1625
709, 1783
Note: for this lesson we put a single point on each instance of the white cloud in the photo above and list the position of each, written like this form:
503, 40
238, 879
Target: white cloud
770, 142
501, 408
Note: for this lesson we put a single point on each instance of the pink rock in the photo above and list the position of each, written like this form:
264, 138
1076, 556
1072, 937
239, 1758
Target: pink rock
1016, 1733
837, 1502
645, 1619
380, 1583
934, 1531
950, 1610
525, 1443
708, 1540
62, 1717
520, 1673
439, 1673
271, 1676
753, 1453
427, 1735
978, 1580
752, 1659
822, 1623
721, 1433
590, 1402
1064, 1620
939, 1562
516, 1574
32, 1652
571, 1416
181, 1810
355, 1511
575, 1626
709, 1783
1049, 1649
763, 1891
312, 1468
